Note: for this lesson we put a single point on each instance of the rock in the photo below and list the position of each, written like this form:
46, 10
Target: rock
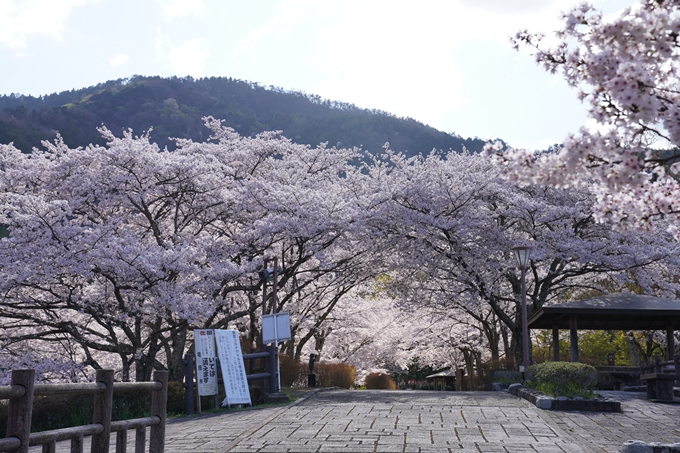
544, 402
636, 446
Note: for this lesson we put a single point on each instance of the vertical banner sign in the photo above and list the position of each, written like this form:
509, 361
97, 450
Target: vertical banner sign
206, 361
233, 369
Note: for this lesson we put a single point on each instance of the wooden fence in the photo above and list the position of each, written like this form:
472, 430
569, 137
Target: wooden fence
22, 391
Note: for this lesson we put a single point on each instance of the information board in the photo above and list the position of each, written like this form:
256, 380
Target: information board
276, 327
206, 361
233, 369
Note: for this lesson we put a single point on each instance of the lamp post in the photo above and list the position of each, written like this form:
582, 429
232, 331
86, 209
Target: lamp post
522, 257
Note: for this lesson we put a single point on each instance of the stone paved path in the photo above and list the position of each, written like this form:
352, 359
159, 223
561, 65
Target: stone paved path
382, 421
419, 421
640, 420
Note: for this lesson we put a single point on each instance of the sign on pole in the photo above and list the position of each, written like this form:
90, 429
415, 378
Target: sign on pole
206, 361
276, 327
233, 369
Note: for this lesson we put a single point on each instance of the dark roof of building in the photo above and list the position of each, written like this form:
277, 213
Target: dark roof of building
442, 374
616, 311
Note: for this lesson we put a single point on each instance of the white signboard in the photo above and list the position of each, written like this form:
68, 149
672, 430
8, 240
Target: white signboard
206, 361
233, 370
276, 327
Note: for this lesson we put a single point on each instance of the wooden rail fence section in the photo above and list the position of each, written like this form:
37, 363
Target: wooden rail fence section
22, 391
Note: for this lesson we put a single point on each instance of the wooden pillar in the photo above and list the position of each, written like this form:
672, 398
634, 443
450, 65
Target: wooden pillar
556, 343
103, 403
159, 403
670, 341
121, 441
50, 446
21, 409
188, 385
77, 444
573, 338
140, 440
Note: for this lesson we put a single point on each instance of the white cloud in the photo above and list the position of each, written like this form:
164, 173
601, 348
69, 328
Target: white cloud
119, 60
188, 58
288, 12
508, 6
180, 8
395, 55
20, 20
403, 58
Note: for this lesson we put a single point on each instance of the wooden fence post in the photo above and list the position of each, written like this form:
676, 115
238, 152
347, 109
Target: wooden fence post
121, 441
159, 400
272, 363
77, 444
188, 384
21, 409
103, 404
140, 440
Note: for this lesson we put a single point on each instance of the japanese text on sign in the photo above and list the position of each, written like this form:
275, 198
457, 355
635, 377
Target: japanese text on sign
206, 361
233, 370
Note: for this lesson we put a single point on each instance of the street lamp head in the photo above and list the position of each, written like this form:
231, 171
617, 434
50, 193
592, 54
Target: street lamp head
266, 275
522, 256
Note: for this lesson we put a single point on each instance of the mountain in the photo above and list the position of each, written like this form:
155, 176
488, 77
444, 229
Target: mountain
173, 107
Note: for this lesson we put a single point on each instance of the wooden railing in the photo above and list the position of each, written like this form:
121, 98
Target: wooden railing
22, 391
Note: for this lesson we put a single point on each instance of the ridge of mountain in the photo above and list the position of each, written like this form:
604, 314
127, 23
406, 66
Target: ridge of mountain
174, 107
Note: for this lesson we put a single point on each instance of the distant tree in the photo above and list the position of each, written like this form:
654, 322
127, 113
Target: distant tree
173, 108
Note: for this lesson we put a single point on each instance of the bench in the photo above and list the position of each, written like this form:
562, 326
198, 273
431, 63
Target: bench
660, 378
617, 377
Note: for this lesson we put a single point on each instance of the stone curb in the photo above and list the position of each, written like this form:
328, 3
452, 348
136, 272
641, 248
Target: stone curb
563, 404
637, 446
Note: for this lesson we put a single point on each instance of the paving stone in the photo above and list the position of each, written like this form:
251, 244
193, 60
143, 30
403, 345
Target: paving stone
418, 422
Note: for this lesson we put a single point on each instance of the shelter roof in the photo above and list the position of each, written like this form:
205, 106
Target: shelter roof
616, 311
442, 374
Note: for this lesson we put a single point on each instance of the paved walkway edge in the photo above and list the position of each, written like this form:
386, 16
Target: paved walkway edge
555, 423
266, 420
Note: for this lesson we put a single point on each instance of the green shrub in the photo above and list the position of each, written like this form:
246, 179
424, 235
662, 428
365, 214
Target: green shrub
334, 375
176, 398
63, 411
380, 381
568, 379
507, 376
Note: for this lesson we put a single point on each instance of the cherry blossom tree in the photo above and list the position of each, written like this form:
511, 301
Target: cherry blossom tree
372, 331
124, 248
627, 71
115, 253
455, 221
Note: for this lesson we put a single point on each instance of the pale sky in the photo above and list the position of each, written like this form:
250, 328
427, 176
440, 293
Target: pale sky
446, 63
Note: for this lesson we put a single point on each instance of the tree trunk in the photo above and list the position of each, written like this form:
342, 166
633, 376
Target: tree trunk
175, 355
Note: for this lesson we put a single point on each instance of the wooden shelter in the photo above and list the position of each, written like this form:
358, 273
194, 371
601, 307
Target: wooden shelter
442, 380
616, 311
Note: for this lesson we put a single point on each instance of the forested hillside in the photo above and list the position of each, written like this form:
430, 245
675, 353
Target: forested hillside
174, 107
